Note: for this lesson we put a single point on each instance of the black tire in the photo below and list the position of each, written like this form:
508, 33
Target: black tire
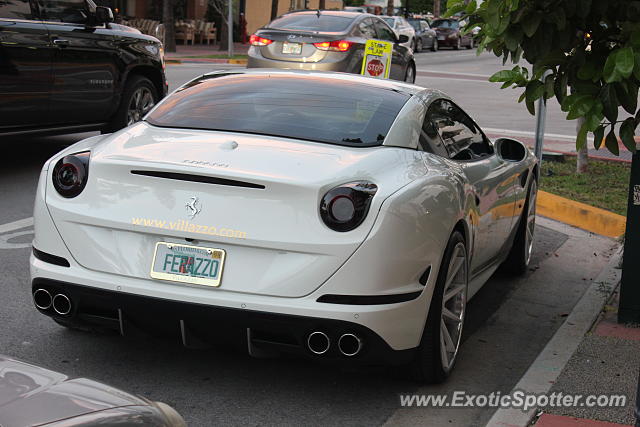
410, 73
517, 261
434, 45
133, 85
418, 45
427, 365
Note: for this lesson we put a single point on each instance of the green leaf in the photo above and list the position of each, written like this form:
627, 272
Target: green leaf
584, 7
560, 88
567, 102
581, 107
635, 38
504, 76
610, 72
535, 90
522, 97
627, 93
627, 130
636, 67
612, 142
593, 118
587, 71
471, 7
548, 87
625, 61
598, 136
609, 102
531, 23
531, 107
581, 141
558, 17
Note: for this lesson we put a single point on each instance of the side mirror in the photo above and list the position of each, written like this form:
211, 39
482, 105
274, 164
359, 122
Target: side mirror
510, 149
402, 38
103, 15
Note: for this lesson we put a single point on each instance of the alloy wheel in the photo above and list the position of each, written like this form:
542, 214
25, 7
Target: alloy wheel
454, 303
141, 103
410, 76
419, 45
531, 222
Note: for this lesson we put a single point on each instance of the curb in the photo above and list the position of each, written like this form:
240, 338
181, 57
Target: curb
545, 370
580, 215
176, 61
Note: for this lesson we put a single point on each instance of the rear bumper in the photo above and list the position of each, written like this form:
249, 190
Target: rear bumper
196, 324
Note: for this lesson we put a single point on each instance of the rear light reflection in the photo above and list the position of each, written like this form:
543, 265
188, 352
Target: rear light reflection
336, 45
256, 40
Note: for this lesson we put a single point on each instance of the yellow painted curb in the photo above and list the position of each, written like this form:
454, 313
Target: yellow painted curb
580, 215
238, 61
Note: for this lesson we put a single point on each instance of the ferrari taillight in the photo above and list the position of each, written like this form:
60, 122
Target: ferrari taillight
336, 45
345, 207
256, 40
70, 174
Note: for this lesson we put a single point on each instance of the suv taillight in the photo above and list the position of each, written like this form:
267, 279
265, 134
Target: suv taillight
336, 45
70, 174
256, 40
345, 207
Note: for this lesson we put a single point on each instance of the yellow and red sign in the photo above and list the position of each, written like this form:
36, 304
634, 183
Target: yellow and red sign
377, 59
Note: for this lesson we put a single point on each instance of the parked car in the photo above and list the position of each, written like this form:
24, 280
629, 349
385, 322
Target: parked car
450, 34
326, 41
426, 37
34, 396
331, 215
402, 27
65, 68
355, 9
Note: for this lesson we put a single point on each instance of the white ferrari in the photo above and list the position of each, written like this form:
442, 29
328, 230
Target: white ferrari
332, 215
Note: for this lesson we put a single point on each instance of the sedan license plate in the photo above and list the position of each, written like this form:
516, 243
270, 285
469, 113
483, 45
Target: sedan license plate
292, 48
188, 264
440, 37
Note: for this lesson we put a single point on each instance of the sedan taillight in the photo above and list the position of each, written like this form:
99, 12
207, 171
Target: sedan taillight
345, 207
256, 40
336, 45
70, 174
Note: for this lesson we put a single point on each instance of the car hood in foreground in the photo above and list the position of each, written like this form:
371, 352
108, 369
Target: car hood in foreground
30, 395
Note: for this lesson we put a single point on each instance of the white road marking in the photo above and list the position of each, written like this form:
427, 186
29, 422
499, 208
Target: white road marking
16, 225
13, 226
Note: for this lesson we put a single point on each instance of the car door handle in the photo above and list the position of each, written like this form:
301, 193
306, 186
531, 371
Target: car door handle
61, 42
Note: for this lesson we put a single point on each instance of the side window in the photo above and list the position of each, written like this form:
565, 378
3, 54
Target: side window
384, 32
462, 139
430, 140
15, 9
424, 26
367, 29
70, 11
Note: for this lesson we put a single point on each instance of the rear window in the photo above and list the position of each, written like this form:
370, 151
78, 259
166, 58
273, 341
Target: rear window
302, 107
312, 22
389, 21
444, 23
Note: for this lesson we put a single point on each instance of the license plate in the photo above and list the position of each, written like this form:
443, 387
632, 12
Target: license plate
440, 37
292, 48
188, 264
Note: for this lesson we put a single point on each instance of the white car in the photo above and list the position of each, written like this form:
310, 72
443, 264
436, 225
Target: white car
332, 215
402, 27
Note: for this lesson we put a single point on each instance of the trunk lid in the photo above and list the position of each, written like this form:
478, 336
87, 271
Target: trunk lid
296, 39
114, 224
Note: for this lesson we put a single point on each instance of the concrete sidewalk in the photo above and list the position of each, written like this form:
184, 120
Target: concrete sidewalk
192, 54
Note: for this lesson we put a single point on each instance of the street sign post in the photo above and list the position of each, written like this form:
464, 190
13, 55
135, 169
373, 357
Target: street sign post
629, 308
377, 59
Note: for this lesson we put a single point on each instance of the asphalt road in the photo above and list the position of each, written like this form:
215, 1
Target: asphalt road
508, 323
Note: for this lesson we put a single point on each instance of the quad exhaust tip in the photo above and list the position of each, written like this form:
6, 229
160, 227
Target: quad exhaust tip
61, 304
42, 299
318, 342
349, 344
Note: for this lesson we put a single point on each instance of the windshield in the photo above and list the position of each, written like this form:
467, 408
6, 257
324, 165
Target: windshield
389, 21
415, 25
444, 23
312, 22
305, 107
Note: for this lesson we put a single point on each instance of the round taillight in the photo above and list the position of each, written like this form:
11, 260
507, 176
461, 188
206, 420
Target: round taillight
345, 207
70, 174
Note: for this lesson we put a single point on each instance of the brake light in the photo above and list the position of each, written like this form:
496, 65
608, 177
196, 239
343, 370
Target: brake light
345, 207
70, 174
256, 40
336, 45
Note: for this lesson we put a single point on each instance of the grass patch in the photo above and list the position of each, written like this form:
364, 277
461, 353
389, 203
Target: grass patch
218, 56
605, 185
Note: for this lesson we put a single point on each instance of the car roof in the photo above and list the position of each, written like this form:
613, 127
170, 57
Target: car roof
406, 88
346, 13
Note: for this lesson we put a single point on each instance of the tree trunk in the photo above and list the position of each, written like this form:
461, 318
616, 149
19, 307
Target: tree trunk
390, 7
436, 8
224, 35
274, 9
169, 27
582, 164
321, 5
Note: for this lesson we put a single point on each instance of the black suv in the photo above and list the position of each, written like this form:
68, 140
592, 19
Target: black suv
64, 68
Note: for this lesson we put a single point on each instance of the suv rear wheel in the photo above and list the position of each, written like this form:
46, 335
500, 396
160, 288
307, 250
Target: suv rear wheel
138, 98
